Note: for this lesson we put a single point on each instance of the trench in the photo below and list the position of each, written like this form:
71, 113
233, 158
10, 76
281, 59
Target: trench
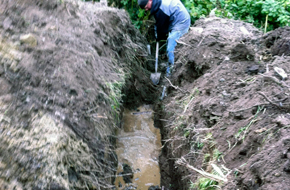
138, 148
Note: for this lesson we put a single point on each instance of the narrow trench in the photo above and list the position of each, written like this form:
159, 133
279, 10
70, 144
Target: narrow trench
144, 162
138, 149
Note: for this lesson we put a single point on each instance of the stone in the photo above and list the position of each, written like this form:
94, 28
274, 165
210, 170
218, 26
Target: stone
7, 23
286, 166
254, 69
282, 121
28, 39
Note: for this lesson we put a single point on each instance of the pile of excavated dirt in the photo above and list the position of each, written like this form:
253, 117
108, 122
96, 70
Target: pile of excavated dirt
62, 66
226, 112
68, 68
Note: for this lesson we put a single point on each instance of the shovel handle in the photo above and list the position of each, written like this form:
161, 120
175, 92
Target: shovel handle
156, 61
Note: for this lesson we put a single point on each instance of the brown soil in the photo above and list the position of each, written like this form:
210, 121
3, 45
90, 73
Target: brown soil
227, 106
61, 101
60, 97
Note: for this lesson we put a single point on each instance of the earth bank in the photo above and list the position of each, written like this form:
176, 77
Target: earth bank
63, 64
226, 112
69, 68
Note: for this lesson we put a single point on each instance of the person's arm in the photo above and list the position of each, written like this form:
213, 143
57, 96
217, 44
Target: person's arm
161, 25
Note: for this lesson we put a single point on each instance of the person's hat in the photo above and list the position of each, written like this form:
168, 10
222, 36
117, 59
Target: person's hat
142, 3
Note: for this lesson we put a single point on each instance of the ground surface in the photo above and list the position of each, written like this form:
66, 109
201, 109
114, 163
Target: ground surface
227, 106
60, 99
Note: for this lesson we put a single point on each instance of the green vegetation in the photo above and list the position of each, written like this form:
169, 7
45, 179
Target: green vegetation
264, 14
199, 145
268, 14
245, 129
115, 94
217, 155
138, 16
204, 184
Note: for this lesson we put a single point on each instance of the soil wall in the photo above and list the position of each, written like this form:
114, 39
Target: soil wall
62, 68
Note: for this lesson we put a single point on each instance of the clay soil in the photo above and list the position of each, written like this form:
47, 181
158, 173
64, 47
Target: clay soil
62, 92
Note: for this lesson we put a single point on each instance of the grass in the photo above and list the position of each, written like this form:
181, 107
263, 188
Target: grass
249, 80
115, 91
271, 134
180, 123
210, 140
245, 129
199, 145
190, 98
211, 181
204, 184
217, 155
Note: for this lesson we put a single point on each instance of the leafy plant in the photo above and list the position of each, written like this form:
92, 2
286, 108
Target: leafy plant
199, 8
199, 145
138, 16
267, 14
204, 184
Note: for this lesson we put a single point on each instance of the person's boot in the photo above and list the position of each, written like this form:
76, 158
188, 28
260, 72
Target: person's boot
169, 70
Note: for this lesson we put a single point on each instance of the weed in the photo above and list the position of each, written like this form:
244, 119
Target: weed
245, 129
204, 184
236, 172
206, 158
243, 165
115, 93
186, 133
199, 145
217, 155
269, 135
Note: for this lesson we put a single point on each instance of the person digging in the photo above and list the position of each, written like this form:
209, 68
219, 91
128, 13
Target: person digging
171, 18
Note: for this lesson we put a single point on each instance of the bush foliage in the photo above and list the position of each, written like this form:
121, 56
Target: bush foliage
264, 14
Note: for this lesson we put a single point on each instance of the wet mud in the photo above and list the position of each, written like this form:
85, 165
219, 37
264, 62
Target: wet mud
138, 150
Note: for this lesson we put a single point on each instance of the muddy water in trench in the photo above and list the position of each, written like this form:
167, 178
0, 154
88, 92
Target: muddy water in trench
138, 146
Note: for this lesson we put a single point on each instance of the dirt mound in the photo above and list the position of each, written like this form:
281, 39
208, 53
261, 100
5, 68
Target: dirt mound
227, 107
62, 67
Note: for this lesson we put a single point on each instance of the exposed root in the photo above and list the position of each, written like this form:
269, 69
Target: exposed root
281, 106
244, 109
268, 77
175, 87
183, 162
